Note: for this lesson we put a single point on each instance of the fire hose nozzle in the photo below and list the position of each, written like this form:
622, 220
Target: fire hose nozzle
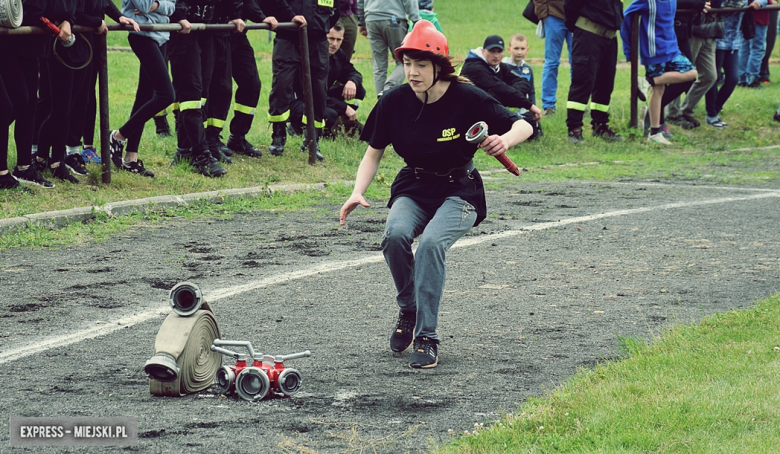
477, 133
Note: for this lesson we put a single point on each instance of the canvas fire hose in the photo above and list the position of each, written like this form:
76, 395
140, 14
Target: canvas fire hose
183, 362
477, 133
10, 13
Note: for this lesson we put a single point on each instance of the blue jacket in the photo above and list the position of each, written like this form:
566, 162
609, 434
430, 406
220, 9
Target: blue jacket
657, 40
160, 16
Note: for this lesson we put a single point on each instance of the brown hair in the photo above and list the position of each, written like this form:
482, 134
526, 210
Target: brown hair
518, 36
443, 61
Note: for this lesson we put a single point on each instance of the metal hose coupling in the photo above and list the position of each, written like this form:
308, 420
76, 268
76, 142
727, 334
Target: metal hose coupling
183, 362
477, 133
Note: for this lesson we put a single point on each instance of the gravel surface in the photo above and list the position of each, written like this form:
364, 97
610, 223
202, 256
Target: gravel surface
540, 289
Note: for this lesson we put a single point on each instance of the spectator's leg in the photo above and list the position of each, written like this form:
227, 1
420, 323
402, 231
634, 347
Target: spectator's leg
757, 50
601, 96
584, 66
712, 94
555, 34
379, 50
731, 76
350, 26
395, 36
247, 83
705, 65
771, 36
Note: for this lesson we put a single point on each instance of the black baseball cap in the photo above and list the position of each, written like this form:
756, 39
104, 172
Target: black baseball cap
493, 41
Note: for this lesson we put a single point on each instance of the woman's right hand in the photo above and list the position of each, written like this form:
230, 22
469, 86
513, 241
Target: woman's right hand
64, 31
186, 26
350, 205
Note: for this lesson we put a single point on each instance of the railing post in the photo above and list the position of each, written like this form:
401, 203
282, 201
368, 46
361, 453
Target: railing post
308, 98
634, 57
105, 153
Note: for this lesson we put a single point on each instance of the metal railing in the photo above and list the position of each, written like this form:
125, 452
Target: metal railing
101, 53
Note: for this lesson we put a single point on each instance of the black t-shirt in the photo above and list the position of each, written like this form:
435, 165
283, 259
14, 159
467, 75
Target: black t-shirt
436, 141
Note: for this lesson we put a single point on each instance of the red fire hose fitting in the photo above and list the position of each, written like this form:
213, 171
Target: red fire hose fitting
477, 134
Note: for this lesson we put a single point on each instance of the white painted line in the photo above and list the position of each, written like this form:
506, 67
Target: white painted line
23, 351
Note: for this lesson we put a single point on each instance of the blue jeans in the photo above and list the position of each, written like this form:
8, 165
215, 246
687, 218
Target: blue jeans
419, 277
555, 33
751, 54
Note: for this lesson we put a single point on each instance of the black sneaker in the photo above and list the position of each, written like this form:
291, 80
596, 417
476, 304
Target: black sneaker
425, 354
61, 172
680, 121
181, 155
8, 181
75, 163
31, 175
138, 168
161, 126
575, 136
116, 148
240, 145
207, 165
403, 335
40, 166
603, 131
776, 117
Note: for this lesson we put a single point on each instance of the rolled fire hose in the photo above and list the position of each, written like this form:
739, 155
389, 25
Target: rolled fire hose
183, 362
10, 13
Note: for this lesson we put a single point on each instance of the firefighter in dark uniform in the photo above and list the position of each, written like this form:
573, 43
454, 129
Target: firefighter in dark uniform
192, 60
316, 15
247, 81
218, 82
345, 91
594, 25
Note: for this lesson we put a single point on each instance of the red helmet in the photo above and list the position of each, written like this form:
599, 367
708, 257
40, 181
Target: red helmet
424, 37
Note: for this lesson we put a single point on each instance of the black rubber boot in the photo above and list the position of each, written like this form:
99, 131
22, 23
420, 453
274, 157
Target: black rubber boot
212, 139
239, 144
305, 144
278, 139
161, 124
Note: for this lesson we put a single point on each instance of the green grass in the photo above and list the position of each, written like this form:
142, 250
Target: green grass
709, 388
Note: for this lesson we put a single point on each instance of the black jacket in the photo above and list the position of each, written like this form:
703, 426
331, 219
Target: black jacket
203, 11
505, 85
608, 13
317, 17
341, 70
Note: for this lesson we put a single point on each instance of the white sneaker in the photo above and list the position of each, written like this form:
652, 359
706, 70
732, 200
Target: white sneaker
658, 138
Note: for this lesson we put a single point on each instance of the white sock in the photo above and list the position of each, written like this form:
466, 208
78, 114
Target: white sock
35, 148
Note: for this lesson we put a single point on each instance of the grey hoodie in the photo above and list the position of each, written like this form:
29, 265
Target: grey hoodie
374, 10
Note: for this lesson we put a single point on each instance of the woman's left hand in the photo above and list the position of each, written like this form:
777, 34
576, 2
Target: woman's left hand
494, 145
127, 21
102, 29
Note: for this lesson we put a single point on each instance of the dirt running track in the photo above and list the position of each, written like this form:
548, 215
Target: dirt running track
543, 287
